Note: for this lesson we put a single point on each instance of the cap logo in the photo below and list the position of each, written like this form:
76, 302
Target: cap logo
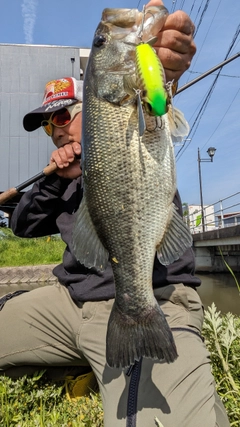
58, 89
59, 103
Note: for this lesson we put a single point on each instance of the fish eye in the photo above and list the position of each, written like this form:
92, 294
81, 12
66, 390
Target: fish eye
99, 40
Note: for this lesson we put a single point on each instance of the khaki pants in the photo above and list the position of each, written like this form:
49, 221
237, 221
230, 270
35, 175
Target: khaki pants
44, 327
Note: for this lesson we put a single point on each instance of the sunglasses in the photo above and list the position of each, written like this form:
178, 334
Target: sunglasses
61, 118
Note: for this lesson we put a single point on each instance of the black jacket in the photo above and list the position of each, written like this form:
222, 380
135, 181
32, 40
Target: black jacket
50, 207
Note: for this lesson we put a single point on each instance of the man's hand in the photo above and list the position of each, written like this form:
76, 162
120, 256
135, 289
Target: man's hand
67, 159
175, 45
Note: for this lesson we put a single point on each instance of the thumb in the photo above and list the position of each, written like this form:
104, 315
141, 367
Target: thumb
155, 3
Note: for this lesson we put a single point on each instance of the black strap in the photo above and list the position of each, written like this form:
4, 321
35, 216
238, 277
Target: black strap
135, 372
9, 296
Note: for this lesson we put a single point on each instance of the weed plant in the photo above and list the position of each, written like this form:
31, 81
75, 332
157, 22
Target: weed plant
222, 337
35, 402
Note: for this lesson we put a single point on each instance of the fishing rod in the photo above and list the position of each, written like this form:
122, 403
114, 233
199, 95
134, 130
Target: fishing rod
192, 82
12, 192
48, 170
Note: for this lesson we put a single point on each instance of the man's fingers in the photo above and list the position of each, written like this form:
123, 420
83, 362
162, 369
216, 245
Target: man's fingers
66, 154
179, 21
155, 3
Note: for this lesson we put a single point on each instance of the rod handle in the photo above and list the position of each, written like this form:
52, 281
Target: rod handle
9, 194
49, 169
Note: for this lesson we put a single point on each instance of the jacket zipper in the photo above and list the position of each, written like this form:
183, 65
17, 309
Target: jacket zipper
135, 372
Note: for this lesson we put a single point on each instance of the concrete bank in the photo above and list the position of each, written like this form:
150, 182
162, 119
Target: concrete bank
27, 277
27, 274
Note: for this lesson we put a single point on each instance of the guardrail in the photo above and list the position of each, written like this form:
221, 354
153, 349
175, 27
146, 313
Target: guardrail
221, 214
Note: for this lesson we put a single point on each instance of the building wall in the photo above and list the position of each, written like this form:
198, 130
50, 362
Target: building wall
195, 218
24, 71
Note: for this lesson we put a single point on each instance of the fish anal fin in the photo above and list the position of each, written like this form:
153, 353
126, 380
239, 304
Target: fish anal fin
147, 335
175, 241
88, 249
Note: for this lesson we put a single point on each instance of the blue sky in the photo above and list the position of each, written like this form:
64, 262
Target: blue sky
72, 23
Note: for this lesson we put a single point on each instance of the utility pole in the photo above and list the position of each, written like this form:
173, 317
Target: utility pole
211, 152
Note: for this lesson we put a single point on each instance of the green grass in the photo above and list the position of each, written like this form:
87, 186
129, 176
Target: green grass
16, 251
35, 402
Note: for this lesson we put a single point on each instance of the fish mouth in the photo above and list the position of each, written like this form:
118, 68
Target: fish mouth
140, 26
124, 18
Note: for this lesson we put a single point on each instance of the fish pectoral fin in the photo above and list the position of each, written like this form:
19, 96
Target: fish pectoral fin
87, 247
178, 125
175, 241
130, 84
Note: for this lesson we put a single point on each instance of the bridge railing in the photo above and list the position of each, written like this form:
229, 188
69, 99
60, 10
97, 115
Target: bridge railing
221, 214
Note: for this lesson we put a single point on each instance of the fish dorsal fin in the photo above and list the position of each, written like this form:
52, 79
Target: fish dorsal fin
175, 241
88, 249
178, 125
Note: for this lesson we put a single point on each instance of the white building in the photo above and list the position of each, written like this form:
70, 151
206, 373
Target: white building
195, 218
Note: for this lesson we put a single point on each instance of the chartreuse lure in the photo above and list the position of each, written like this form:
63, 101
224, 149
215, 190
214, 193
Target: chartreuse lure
151, 80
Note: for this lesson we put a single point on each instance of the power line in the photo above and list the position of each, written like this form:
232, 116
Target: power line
192, 8
208, 96
202, 16
214, 74
222, 118
174, 3
199, 50
139, 4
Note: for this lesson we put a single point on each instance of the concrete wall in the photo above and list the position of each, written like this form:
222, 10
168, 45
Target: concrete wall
216, 250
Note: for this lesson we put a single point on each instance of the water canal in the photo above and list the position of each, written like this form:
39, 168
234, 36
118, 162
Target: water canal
218, 288
222, 290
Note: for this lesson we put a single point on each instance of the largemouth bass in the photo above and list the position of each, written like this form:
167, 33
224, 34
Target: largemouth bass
127, 213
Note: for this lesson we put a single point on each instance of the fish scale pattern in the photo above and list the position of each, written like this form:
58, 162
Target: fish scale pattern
130, 185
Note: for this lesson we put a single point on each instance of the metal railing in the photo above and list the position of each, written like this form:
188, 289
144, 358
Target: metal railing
221, 214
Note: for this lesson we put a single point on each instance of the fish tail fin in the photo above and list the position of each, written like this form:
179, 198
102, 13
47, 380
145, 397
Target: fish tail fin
129, 339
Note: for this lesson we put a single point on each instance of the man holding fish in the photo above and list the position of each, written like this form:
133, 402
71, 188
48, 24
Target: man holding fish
126, 303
